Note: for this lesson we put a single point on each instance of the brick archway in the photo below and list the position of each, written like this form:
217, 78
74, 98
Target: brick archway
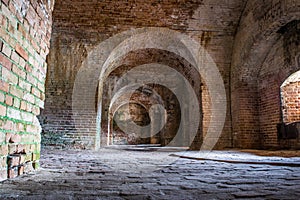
113, 49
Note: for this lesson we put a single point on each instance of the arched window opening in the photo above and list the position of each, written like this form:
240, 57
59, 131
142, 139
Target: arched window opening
290, 107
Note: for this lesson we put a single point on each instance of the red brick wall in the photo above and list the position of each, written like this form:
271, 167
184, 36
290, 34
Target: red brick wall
256, 76
290, 95
269, 81
279, 64
25, 29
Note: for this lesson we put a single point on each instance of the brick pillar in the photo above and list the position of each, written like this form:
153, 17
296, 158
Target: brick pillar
25, 30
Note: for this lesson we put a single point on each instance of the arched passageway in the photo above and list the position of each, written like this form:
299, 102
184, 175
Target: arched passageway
185, 59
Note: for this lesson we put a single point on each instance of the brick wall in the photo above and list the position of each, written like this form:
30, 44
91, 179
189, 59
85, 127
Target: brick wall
25, 28
270, 78
291, 102
273, 87
255, 76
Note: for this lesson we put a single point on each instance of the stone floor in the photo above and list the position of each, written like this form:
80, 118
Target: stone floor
141, 174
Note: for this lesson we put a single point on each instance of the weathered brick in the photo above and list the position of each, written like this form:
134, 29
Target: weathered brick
36, 110
6, 12
10, 26
35, 92
23, 105
5, 62
12, 42
29, 107
9, 100
3, 162
15, 57
12, 8
22, 30
19, 71
9, 125
290, 93
4, 86
5, 2
3, 23
255, 105
2, 110
27, 117
3, 149
17, 103
29, 98
21, 52
31, 79
28, 155
6, 50
24, 85
14, 113
9, 76
2, 97
24, 158
28, 68
16, 91
22, 63
20, 127
20, 17
39, 103
2, 135
31, 129
32, 146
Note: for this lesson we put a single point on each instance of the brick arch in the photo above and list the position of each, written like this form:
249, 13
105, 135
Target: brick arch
121, 98
187, 104
147, 56
116, 47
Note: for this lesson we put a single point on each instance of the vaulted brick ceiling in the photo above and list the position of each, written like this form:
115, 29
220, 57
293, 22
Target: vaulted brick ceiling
92, 18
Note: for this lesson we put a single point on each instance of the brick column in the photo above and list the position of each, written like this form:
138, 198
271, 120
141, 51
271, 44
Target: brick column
25, 30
